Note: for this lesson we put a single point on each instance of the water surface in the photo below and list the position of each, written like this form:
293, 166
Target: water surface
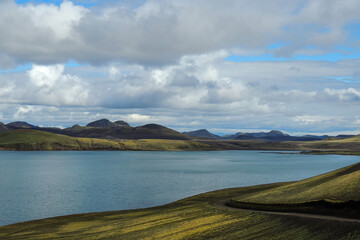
36, 185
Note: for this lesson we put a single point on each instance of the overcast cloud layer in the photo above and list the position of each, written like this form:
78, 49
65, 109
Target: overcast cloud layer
165, 62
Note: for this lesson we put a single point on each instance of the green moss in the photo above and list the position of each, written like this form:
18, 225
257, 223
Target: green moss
340, 185
26, 139
164, 145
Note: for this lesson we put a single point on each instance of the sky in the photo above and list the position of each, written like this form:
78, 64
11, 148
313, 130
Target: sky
227, 66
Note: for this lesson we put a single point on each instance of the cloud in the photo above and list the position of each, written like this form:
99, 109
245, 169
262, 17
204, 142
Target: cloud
44, 85
203, 85
59, 19
349, 94
45, 75
163, 31
137, 118
307, 119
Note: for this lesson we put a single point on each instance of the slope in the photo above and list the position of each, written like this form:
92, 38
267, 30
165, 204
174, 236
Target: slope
24, 139
28, 139
339, 185
349, 145
335, 193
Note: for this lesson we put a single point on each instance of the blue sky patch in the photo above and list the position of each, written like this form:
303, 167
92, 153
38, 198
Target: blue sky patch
20, 68
84, 3
346, 79
330, 57
27, 67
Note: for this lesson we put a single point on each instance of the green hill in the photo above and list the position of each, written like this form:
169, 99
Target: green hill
201, 217
340, 185
337, 192
164, 145
116, 131
26, 139
338, 146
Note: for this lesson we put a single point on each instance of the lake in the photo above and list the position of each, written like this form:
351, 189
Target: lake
37, 185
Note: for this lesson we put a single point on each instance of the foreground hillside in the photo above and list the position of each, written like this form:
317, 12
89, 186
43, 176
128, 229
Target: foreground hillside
28, 139
336, 193
340, 185
202, 217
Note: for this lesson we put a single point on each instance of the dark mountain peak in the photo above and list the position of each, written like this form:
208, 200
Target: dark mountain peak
203, 130
315, 137
19, 124
201, 133
345, 136
3, 128
122, 123
102, 123
276, 133
273, 135
75, 127
240, 133
153, 126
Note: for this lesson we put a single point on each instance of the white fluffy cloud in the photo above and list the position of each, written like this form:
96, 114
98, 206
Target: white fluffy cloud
44, 85
162, 31
60, 20
45, 76
198, 90
349, 94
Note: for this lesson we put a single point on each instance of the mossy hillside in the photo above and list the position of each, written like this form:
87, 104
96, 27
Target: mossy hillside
195, 217
355, 139
164, 145
338, 186
24, 139
343, 146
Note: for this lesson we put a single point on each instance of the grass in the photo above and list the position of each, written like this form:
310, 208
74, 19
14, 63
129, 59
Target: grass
337, 192
25, 139
197, 218
355, 139
339, 185
164, 145
346, 146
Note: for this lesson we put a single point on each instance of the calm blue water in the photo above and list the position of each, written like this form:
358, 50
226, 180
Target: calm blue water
37, 185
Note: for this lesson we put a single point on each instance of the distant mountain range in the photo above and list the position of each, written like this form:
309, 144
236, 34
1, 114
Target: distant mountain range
104, 128
273, 135
203, 133
120, 129
120, 136
105, 123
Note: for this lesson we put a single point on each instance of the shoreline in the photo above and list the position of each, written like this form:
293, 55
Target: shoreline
273, 151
